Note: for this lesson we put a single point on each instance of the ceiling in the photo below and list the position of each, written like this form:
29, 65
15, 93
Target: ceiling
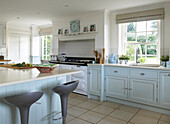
41, 12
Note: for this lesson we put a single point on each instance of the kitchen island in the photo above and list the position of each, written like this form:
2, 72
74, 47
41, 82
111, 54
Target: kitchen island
29, 80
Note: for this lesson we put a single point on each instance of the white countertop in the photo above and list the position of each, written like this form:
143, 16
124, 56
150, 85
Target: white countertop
10, 76
134, 66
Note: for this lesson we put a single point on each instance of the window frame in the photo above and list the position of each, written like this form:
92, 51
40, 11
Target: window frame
122, 44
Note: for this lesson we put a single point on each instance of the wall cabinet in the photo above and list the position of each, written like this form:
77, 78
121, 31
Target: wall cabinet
2, 36
143, 91
116, 87
165, 89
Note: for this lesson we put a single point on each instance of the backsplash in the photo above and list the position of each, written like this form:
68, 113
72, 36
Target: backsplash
82, 48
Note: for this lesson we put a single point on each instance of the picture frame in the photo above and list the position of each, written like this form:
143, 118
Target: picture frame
60, 31
92, 27
66, 31
85, 29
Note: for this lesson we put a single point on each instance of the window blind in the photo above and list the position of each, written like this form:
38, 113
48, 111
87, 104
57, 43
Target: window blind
45, 31
140, 16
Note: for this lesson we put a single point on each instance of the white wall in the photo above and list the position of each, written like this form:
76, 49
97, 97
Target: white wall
85, 20
166, 24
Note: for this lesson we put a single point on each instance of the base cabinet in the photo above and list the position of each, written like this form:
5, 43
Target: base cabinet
165, 90
116, 87
94, 80
143, 91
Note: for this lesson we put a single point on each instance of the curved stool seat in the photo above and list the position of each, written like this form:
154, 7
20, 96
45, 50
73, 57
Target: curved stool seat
23, 102
63, 91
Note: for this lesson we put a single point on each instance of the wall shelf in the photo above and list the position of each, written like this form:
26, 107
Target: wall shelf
79, 36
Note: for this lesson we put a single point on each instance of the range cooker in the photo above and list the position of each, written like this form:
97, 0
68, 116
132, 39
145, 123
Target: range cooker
81, 61
76, 63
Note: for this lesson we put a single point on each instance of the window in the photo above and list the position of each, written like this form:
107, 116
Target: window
46, 47
144, 37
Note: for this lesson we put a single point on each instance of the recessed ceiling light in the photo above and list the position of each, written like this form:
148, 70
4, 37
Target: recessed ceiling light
66, 5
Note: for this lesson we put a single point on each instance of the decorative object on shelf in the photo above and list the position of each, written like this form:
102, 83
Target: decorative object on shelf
60, 31
85, 29
103, 62
93, 27
75, 26
46, 68
163, 61
66, 31
125, 58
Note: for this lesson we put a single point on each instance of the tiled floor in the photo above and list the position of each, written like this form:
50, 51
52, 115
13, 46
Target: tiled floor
86, 111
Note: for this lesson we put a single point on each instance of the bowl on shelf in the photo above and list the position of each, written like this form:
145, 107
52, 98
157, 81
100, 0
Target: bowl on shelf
46, 68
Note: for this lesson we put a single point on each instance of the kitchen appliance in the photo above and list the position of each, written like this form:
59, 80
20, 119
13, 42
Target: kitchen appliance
81, 61
76, 63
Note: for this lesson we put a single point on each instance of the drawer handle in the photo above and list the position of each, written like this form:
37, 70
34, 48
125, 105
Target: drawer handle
89, 73
142, 73
115, 71
168, 74
130, 89
125, 88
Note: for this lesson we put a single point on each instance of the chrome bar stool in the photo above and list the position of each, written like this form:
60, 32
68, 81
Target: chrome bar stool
23, 102
63, 91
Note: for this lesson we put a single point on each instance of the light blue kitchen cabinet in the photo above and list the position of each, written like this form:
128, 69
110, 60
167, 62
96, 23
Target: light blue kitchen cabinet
143, 91
95, 79
165, 89
116, 87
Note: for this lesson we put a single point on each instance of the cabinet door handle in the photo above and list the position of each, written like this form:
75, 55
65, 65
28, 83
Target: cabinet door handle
125, 88
130, 89
142, 73
89, 73
115, 71
168, 74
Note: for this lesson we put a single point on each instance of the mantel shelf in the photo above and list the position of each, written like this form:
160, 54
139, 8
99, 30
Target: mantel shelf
80, 36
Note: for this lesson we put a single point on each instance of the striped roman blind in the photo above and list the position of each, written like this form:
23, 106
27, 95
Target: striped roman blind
140, 16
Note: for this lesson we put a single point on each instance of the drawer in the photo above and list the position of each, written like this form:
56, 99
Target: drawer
143, 73
118, 71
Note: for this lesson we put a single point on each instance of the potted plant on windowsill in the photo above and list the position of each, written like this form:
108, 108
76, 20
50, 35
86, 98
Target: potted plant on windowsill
163, 61
123, 57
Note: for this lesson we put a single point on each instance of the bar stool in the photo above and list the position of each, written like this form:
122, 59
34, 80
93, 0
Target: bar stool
23, 102
63, 91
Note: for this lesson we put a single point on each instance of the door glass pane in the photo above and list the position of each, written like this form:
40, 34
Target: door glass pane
152, 25
44, 51
141, 37
44, 57
131, 37
131, 27
141, 26
152, 36
152, 49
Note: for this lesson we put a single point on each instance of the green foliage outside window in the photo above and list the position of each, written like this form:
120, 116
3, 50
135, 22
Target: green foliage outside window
150, 36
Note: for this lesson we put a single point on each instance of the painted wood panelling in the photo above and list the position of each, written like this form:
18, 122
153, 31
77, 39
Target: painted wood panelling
50, 102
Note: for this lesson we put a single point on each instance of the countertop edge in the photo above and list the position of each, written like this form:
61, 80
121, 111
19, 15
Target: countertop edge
35, 79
